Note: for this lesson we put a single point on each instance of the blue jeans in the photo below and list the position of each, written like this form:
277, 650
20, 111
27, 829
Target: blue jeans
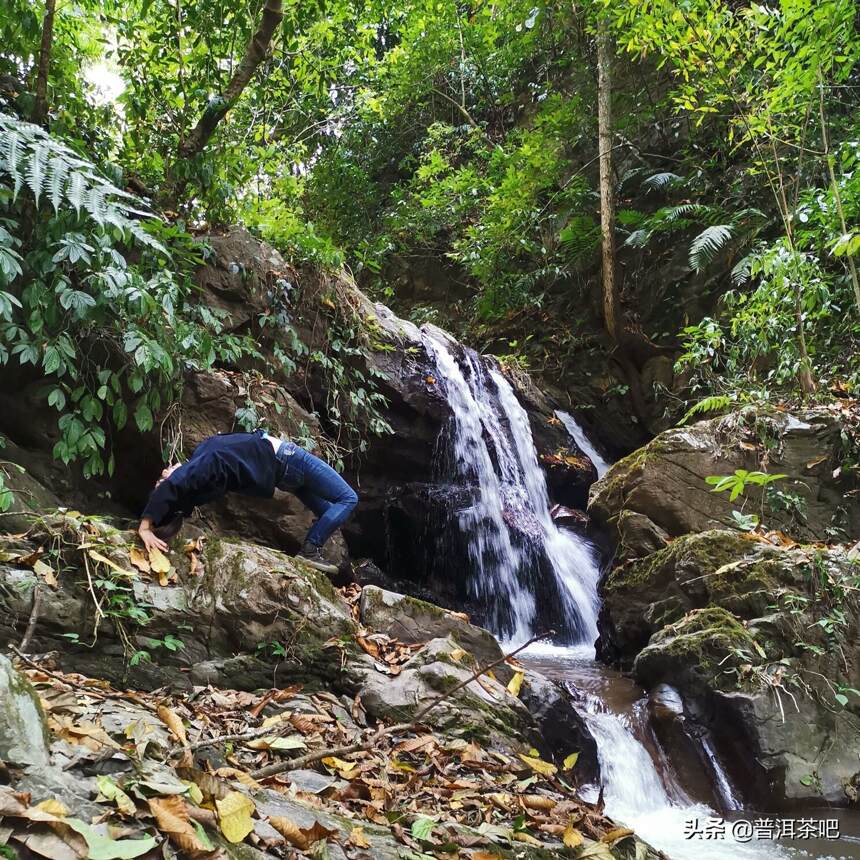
318, 487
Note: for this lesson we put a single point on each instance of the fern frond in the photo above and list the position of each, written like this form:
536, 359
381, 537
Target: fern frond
705, 247
95, 204
37, 168
48, 167
710, 404
76, 191
741, 271
661, 181
11, 143
638, 239
57, 172
684, 211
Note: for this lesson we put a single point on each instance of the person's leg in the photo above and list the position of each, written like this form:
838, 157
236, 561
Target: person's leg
311, 501
329, 496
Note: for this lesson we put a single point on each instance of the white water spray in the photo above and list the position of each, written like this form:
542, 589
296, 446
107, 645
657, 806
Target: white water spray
492, 449
584, 443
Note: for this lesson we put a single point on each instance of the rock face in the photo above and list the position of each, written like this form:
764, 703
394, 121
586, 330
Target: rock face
23, 738
395, 475
749, 632
664, 482
758, 633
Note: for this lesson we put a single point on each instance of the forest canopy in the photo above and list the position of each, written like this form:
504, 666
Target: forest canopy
443, 143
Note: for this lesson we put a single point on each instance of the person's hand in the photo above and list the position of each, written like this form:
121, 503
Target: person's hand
150, 539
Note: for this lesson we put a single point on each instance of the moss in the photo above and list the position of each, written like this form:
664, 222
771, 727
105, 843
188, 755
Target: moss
614, 480
703, 553
702, 646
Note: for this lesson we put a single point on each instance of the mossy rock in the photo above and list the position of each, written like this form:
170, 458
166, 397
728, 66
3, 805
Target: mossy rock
702, 650
23, 736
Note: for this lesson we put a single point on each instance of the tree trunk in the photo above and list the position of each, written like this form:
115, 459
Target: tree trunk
40, 108
255, 53
607, 201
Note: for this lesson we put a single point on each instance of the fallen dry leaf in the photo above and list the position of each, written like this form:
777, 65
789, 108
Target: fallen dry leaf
173, 722
234, 816
357, 838
138, 558
46, 572
544, 768
299, 837
571, 837
516, 683
171, 817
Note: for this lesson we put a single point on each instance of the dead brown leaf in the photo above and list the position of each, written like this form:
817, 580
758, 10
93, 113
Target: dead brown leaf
171, 817
173, 722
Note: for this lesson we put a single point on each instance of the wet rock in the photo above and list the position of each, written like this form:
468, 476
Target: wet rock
562, 730
799, 753
733, 622
665, 480
23, 736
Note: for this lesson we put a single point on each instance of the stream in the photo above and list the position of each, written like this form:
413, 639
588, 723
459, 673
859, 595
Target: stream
518, 557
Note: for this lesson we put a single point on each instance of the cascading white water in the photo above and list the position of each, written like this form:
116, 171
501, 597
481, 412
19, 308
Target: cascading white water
584, 443
494, 558
493, 447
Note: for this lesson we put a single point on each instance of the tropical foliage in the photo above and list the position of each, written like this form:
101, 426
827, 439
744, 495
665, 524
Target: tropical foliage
419, 142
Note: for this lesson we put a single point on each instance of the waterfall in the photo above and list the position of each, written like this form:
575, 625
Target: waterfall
511, 535
522, 568
583, 442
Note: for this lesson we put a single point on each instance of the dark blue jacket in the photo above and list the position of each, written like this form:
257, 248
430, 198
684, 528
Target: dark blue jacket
230, 463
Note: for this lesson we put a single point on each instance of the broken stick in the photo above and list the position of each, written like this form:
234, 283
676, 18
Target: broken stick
311, 758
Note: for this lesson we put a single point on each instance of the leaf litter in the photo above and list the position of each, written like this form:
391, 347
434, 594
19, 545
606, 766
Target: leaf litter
186, 787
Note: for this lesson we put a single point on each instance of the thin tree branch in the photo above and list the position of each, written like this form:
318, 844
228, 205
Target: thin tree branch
255, 53
370, 743
34, 618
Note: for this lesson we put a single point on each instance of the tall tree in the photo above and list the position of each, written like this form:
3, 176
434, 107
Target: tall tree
607, 200
40, 108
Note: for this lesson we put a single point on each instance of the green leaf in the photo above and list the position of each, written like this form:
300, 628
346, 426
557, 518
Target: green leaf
143, 417
104, 848
422, 828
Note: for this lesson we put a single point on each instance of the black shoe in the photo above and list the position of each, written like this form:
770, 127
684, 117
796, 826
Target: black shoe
312, 555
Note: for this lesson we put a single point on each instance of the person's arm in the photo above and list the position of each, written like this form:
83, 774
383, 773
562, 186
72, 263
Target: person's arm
164, 502
165, 498
149, 538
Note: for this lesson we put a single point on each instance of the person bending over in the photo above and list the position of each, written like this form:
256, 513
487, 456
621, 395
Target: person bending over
252, 464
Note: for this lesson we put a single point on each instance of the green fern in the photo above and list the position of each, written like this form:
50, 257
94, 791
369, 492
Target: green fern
709, 243
741, 271
662, 181
50, 169
716, 403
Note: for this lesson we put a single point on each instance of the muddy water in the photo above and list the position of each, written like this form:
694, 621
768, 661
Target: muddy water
663, 800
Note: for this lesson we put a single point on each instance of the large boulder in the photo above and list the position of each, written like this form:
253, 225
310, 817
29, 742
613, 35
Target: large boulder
412, 620
664, 482
240, 598
761, 640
